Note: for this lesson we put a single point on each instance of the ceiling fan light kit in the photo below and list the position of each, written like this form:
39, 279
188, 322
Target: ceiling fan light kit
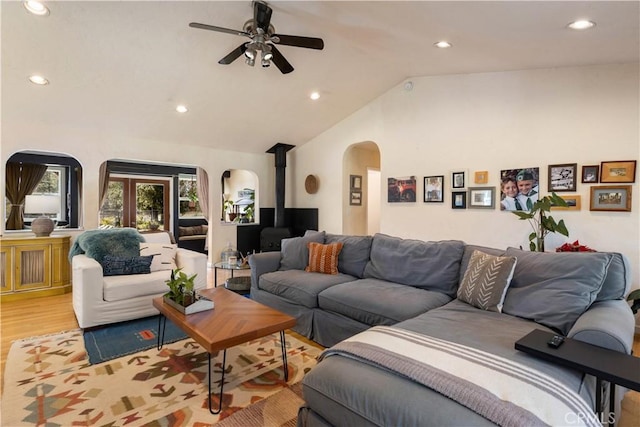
262, 39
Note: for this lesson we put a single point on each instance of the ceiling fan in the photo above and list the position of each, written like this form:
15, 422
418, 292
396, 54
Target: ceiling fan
262, 39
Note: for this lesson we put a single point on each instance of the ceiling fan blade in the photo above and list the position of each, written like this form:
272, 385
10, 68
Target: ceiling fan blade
299, 41
219, 29
262, 15
233, 55
280, 61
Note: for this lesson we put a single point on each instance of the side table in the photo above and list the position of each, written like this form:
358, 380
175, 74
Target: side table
226, 266
602, 363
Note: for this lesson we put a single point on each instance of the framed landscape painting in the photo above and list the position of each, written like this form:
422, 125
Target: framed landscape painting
481, 198
611, 198
621, 171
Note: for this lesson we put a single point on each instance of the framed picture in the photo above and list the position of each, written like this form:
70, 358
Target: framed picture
621, 171
562, 177
611, 198
481, 177
519, 188
433, 188
458, 200
458, 180
355, 198
573, 203
401, 190
355, 182
481, 198
590, 174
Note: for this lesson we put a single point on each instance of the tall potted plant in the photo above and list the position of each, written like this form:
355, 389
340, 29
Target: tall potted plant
541, 222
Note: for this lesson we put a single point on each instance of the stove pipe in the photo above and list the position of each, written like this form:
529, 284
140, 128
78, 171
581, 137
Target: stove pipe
280, 152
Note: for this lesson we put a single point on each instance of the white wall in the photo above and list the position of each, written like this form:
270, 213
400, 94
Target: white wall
489, 121
91, 149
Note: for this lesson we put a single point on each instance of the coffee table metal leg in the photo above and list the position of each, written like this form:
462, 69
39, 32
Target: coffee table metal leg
283, 345
224, 364
162, 322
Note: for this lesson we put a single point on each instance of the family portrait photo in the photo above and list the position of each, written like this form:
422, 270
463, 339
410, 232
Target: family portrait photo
519, 189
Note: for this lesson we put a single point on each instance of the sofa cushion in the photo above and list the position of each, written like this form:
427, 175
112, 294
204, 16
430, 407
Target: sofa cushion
294, 251
354, 255
117, 266
164, 255
300, 286
323, 258
554, 289
486, 280
122, 288
618, 281
430, 265
377, 302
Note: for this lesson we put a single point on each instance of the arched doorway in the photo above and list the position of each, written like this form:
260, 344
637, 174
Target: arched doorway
361, 178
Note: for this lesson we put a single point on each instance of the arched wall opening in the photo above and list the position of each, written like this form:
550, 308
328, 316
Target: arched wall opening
361, 189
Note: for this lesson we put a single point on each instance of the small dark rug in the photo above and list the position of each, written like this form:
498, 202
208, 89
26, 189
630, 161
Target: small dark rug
119, 339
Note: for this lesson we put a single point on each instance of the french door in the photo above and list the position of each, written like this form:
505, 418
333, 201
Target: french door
139, 203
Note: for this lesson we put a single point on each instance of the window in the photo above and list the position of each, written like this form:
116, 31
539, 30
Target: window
137, 202
47, 198
56, 195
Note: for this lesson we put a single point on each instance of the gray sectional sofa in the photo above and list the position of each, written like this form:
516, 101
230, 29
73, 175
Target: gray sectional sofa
428, 290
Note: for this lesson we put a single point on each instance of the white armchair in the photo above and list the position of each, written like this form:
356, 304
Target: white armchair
99, 300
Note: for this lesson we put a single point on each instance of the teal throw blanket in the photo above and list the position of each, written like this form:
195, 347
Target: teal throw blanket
120, 242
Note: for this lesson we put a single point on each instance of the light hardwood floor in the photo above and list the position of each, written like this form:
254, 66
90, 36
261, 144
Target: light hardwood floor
47, 315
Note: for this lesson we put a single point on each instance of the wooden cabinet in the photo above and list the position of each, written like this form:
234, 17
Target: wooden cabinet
34, 266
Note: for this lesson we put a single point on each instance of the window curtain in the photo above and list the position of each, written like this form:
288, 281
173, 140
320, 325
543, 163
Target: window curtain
21, 180
103, 183
202, 185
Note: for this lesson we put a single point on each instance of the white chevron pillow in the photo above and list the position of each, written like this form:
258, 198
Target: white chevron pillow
485, 283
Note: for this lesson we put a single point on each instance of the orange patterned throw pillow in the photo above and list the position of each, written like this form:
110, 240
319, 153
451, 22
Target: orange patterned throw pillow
323, 258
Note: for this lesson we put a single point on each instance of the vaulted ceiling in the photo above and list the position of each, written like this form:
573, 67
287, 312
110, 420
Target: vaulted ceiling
121, 68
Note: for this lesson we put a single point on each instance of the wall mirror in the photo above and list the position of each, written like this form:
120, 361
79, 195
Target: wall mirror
239, 197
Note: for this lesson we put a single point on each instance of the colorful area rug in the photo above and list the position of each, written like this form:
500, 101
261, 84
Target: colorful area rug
120, 339
48, 381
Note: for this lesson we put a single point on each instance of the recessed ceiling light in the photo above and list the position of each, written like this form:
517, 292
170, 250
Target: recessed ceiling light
36, 7
582, 24
181, 109
314, 95
442, 44
39, 80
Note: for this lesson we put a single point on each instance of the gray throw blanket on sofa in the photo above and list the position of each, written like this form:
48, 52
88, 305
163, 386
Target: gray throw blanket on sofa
503, 391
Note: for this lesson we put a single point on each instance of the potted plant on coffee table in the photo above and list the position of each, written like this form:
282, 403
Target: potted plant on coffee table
181, 290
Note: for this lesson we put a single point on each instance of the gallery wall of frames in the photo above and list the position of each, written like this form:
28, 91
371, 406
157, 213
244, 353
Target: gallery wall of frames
609, 187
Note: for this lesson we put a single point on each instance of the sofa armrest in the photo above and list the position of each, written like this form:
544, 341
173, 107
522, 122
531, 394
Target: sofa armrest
86, 285
192, 262
261, 263
609, 324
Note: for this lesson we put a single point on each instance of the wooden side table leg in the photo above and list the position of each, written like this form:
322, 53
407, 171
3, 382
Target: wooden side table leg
599, 408
611, 416
224, 364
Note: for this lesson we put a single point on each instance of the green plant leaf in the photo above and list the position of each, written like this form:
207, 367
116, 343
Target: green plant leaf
562, 229
532, 246
523, 215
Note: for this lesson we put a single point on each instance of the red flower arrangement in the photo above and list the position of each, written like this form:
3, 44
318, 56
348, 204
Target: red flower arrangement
574, 247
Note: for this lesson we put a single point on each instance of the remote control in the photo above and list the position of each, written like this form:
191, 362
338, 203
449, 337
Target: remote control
556, 341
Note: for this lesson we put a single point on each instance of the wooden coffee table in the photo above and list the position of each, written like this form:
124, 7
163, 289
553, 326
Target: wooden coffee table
234, 320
